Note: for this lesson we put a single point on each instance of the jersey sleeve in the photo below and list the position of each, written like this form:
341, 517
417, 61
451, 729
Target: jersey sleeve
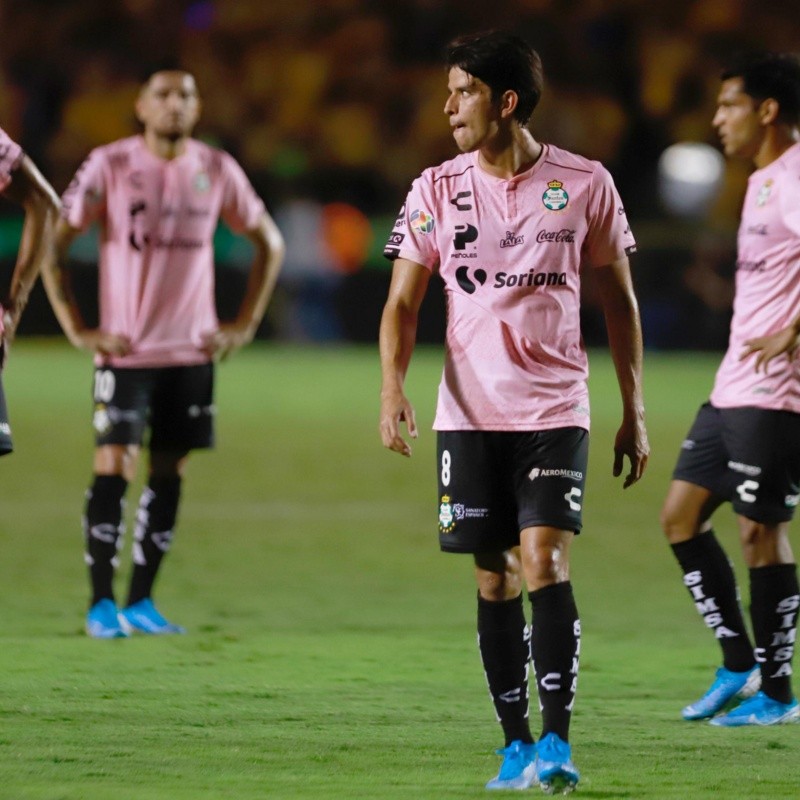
10, 158
609, 237
84, 201
414, 233
241, 207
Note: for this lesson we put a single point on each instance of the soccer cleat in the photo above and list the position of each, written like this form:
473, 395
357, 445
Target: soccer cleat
759, 710
727, 686
102, 621
518, 770
555, 772
144, 616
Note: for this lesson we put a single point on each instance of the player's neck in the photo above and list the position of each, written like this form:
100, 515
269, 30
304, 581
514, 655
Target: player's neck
777, 141
165, 147
512, 157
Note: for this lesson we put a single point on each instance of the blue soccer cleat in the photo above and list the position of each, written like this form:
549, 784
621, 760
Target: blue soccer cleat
517, 770
102, 621
759, 710
555, 772
144, 616
727, 686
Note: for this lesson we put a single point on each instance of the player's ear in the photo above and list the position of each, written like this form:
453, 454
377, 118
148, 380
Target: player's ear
768, 111
508, 103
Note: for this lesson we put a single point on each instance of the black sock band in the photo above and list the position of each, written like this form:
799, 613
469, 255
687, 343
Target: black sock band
504, 649
103, 529
155, 524
774, 601
555, 646
709, 577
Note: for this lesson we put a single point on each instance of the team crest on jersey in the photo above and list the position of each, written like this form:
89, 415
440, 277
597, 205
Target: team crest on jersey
422, 221
764, 192
447, 520
202, 182
556, 197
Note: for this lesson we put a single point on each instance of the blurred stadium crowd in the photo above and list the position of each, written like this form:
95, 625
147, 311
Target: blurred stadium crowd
333, 106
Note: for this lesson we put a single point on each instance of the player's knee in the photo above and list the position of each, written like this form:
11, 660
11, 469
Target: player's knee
677, 525
498, 576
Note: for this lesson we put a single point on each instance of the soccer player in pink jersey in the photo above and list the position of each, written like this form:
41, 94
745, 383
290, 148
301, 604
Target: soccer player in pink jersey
507, 225
157, 198
22, 182
744, 446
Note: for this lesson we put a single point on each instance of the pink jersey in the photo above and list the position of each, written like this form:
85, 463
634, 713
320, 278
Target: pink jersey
509, 253
10, 157
157, 220
767, 289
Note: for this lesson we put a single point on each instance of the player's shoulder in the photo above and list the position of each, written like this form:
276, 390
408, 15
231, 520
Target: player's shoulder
117, 153
444, 174
214, 160
566, 159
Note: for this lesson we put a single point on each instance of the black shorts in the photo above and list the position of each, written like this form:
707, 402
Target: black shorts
176, 402
6, 445
494, 484
748, 456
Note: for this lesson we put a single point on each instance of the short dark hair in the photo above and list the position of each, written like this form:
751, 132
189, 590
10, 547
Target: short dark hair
502, 61
770, 75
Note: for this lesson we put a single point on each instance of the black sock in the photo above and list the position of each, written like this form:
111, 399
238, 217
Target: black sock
505, 652
103, 529
708, 575
555, 647
155, 522
774, 600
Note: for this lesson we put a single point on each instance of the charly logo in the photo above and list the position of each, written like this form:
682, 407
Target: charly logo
556, 237
136, 238
511, 240
467, 283
456, 201
465, 234
422, 221
555, 197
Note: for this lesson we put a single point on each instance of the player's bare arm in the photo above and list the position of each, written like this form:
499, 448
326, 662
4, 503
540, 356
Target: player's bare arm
41, 204
55, 277
621, 313
269, 252
786, 340
398, 334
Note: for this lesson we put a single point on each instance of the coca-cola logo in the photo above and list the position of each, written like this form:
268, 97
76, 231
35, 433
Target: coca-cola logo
556, 237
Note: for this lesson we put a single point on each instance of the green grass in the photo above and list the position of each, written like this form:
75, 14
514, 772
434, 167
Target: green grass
332, 650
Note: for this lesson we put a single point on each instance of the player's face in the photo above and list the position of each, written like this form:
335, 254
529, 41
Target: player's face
737, 120
169, 105
473, 116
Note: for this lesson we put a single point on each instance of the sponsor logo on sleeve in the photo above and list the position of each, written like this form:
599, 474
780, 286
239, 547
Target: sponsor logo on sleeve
764, 193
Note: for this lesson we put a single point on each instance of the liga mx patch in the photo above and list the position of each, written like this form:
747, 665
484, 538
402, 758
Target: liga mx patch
555, 197
422, 221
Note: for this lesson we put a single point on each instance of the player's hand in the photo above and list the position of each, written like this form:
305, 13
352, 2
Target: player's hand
395, 409
226, 340
772, 346
102, 343
631, 441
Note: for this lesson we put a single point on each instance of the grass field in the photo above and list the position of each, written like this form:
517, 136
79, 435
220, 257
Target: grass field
331, 651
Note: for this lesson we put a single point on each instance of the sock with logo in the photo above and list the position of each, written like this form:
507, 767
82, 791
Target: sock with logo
774, 601
155, 523
555, 647
102, 529
708, 575
504, 649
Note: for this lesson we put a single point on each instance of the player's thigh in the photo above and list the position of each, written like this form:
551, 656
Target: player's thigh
477, 510
183, 410
764, 462
121, 403
703, 458
549, 477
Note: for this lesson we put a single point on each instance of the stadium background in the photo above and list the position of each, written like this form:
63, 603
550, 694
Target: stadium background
334, 107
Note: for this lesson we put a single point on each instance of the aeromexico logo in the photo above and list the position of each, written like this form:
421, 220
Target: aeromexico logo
470, 278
